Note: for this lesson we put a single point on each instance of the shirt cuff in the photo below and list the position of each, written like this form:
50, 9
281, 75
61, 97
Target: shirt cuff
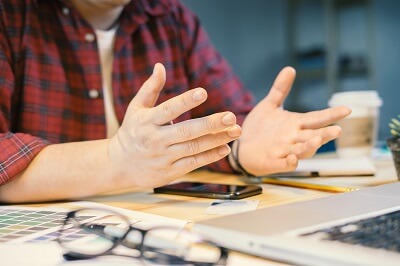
17, 151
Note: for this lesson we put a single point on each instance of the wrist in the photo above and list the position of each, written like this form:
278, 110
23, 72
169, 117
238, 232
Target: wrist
234, 160
115, 157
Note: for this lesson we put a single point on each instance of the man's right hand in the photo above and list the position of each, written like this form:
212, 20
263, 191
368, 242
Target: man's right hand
149, 151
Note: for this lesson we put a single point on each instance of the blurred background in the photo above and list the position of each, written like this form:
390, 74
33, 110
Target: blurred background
335, 45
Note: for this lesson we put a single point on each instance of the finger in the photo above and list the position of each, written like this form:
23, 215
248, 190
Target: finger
195, 128
174, 107
281, 87
322, 118
190, 163
308, 148
330, 133
151, 88
286, 164
204, 143
327, 134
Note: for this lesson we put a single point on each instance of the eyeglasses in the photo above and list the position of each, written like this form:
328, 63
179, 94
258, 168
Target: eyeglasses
85, 236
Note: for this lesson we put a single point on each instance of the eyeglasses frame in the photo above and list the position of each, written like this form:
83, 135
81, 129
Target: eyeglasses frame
71, 255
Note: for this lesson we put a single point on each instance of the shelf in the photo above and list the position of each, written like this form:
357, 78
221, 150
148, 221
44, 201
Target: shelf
344, 3
330, 46
355, 72
317, 73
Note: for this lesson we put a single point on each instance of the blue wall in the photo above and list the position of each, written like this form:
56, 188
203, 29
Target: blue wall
252, 36
388, 59
249, 34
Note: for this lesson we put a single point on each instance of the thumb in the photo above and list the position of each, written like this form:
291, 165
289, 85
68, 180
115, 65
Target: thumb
281, 87
151, 88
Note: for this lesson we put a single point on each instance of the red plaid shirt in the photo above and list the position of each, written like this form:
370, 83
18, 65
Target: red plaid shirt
50, 76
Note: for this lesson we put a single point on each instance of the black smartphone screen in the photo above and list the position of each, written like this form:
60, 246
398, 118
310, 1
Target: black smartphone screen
210, 190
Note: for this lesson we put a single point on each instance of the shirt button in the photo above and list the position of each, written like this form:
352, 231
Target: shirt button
89, 37
94, 94
65, 10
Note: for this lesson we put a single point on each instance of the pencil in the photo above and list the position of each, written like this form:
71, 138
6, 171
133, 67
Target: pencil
289, 183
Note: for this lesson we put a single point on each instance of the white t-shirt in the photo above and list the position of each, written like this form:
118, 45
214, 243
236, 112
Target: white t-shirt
105, 42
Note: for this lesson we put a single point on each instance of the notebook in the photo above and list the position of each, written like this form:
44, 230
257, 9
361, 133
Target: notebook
355, 228
19, 224
361, 166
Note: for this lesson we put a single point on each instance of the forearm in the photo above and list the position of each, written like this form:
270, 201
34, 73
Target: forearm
65, 171
147, 151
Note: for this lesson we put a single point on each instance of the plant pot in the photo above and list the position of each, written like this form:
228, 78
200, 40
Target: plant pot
394, 146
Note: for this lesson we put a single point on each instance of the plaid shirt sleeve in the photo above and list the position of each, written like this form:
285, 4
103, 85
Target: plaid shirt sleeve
16, 150
208, 69
48, 68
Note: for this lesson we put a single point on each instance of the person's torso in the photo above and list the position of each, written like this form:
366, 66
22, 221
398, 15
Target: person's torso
58, 92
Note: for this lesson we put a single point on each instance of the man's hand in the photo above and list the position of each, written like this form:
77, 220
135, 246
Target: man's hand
274, 139
148, 150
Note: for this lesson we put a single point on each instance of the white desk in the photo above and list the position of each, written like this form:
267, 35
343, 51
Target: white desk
192, 209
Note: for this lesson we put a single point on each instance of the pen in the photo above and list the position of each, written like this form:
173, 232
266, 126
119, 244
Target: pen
289, 183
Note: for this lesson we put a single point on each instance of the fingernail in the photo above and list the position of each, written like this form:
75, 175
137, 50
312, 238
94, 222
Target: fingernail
224, 150
229, 119
199, 94
154, 68
234, 132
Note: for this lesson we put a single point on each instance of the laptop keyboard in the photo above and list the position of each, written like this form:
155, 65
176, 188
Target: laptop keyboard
381, 232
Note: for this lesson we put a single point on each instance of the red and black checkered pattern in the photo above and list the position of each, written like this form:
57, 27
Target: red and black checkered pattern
48, 66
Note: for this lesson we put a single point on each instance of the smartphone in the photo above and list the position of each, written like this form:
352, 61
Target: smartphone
210, 190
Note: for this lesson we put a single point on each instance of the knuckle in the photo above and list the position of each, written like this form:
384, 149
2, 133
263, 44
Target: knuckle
211, 156
211, 124
184, 101
193, 146
220, 138
193, 162
185, 132
167, 109
295, 135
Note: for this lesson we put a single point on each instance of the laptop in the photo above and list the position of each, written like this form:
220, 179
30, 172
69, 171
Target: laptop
355, 228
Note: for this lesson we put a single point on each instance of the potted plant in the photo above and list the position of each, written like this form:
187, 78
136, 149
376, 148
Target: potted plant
394, 143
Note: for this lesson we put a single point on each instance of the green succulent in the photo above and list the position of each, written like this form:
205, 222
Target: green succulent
395, 127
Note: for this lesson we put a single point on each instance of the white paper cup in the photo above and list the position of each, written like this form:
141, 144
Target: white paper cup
360, 128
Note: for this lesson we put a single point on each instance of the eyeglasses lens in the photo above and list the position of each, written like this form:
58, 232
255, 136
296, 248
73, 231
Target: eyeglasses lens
87, 235
171, 247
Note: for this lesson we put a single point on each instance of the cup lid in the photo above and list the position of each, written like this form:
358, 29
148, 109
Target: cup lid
358, 98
